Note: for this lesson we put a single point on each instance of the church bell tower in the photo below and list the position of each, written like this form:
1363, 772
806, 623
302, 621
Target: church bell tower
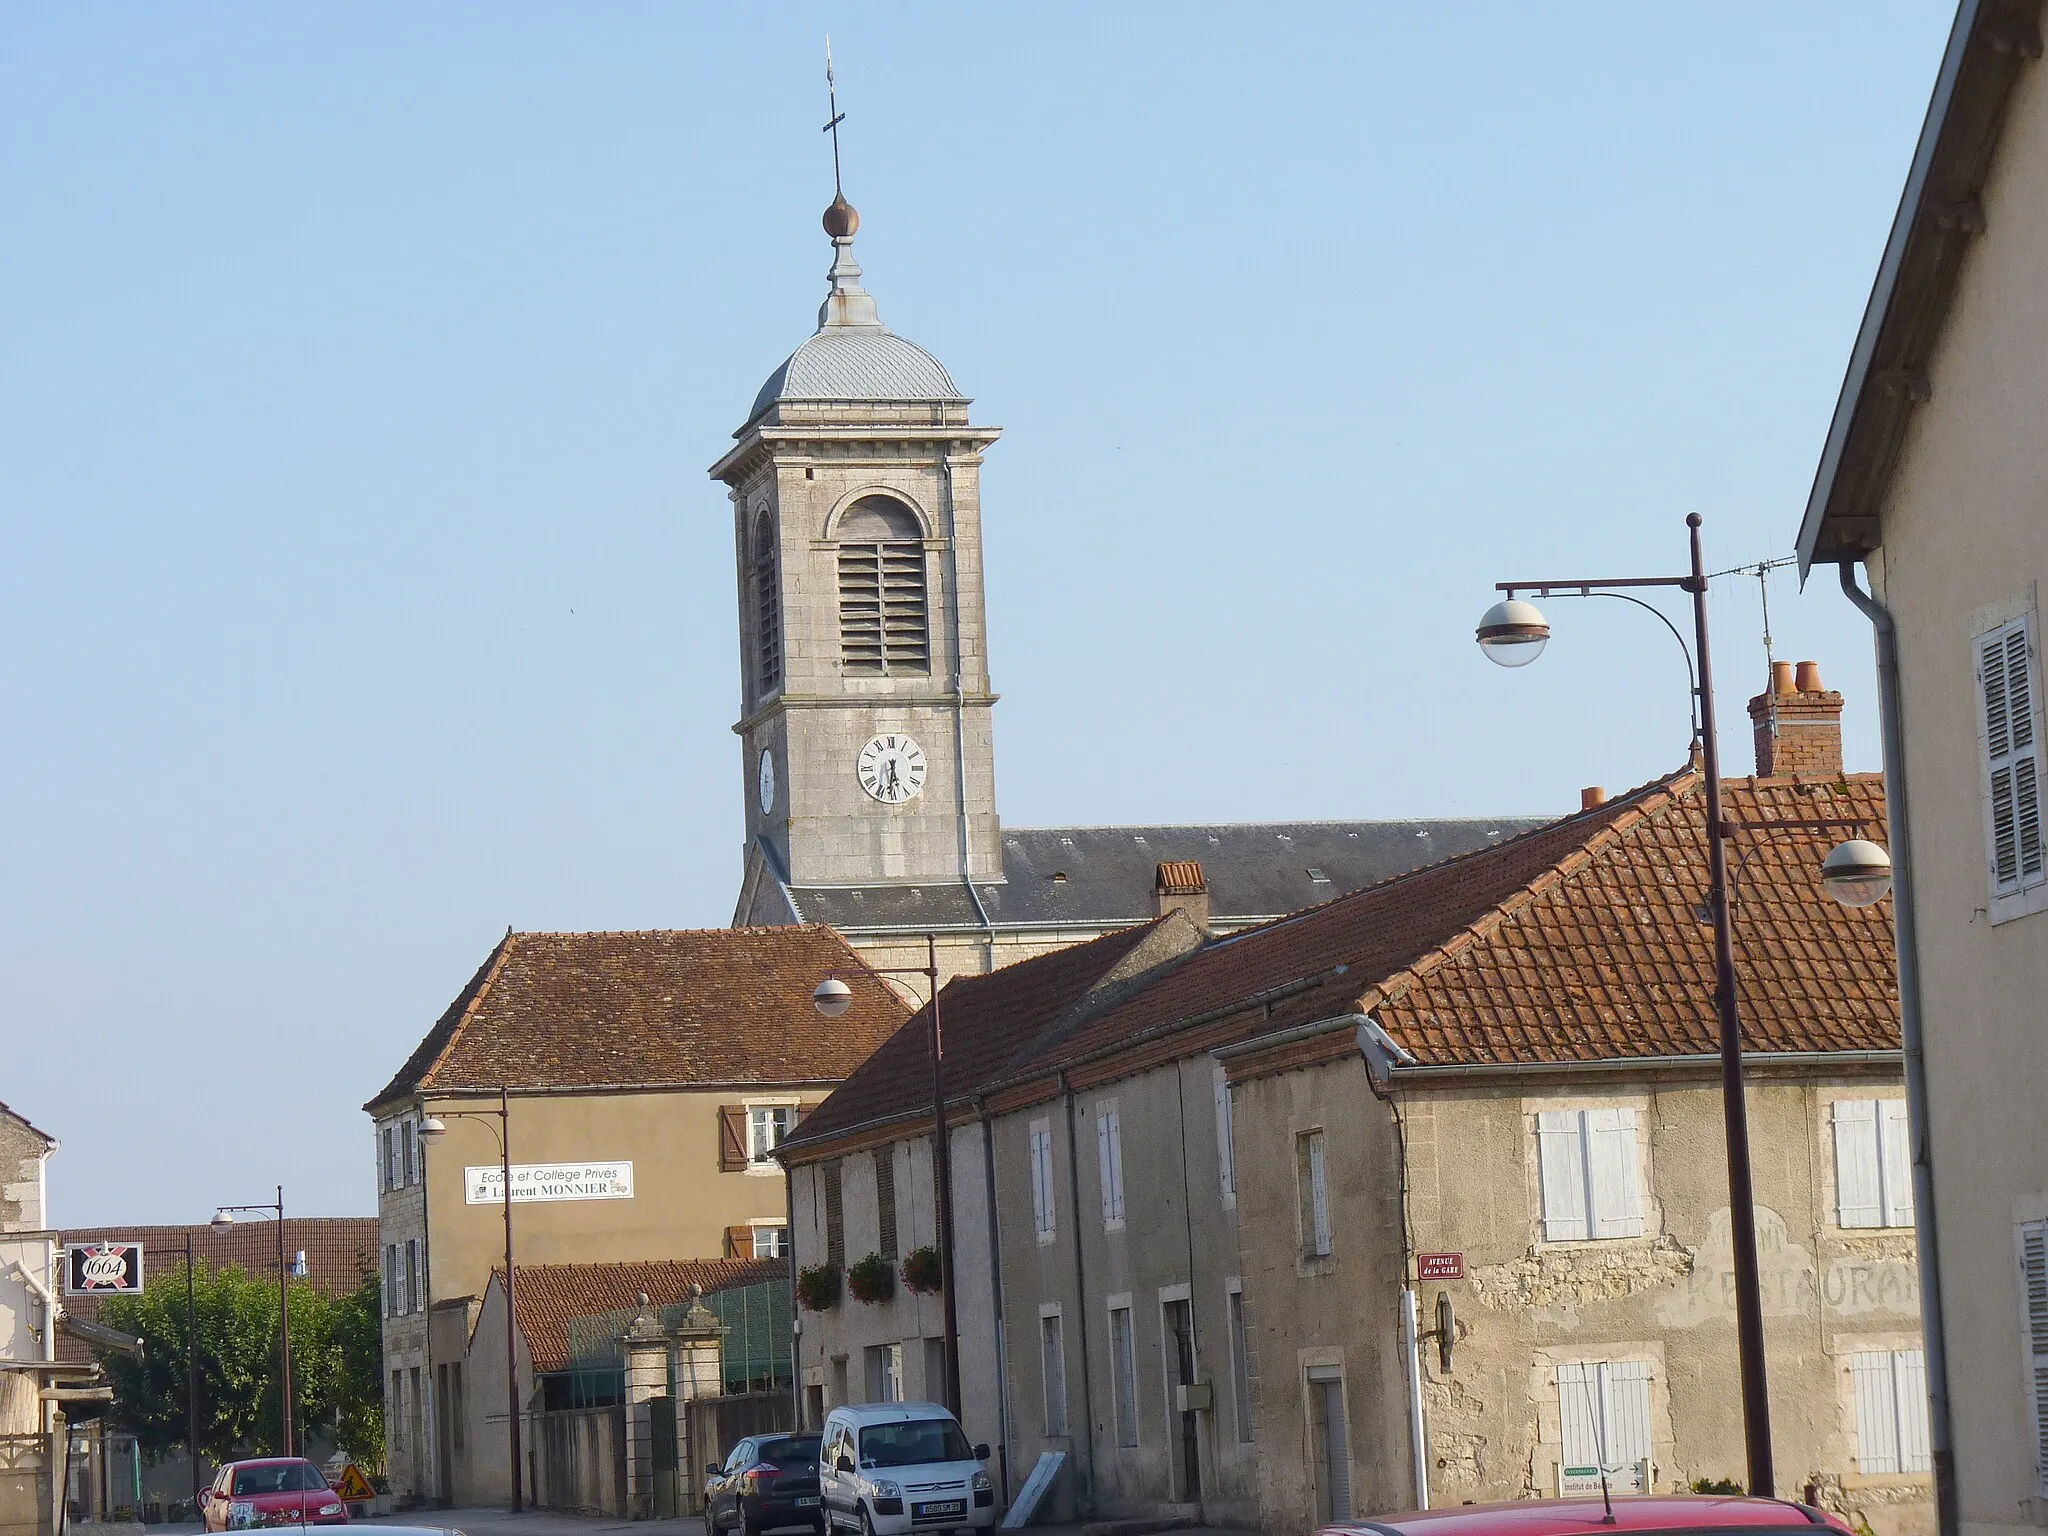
867, 750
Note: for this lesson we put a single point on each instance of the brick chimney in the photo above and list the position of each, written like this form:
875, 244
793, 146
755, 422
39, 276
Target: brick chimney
1180, 887
1807, 738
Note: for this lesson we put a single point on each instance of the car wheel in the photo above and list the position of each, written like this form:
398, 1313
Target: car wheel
867, 1526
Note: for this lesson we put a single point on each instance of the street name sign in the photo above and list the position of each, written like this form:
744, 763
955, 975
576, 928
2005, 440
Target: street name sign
1440, 1266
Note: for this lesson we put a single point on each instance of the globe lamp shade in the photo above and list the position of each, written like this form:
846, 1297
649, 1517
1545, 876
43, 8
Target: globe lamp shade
1857, 874
1513, 633
832, 998
431, 1129
222, 1220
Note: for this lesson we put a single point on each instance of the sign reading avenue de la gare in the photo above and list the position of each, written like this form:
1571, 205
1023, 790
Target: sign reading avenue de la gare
549, 1181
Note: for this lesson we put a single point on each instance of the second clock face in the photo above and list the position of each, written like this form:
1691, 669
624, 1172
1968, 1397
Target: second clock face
891, 768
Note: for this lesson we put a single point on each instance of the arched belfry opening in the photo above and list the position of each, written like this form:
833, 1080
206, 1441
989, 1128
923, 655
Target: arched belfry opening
884, 612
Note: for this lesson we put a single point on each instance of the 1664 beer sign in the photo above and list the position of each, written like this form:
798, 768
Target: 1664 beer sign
102, 1269
549, 1181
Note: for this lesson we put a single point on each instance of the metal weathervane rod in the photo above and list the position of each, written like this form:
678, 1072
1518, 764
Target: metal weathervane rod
838, 117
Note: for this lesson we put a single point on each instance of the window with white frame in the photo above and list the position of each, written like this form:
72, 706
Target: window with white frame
1591, 1181
1891, 1410
2033, 1246
2012, 757
767, 1124
1123, 1363
1603, 1411
1312, 1181
1873, 1163
1226, 1166
1052, 1364
771, 1239
1109, 1146
1043, 1220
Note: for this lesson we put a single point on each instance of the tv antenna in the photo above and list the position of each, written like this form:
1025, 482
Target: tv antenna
838, 117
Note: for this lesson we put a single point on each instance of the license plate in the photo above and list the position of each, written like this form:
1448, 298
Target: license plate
942, 1507
806, 1503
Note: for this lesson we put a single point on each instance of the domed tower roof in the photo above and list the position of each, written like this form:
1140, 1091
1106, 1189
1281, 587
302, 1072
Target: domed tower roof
853, 356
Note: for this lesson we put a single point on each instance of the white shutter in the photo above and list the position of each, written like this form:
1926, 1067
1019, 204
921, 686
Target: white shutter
1895, 1162
1337, 1447
1041, 1179
1909, 1380
1226, 1166
2033, 1239
1109, 1149
1578, 1410
1859, 1193
1561, 1154
1877, 1423
1617, 1207
1627, 1403
1318, 1194
2012, 748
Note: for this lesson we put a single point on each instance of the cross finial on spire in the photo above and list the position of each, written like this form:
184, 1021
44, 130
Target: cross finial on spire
838, 117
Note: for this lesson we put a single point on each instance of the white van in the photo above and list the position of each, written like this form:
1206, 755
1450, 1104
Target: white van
886, 1469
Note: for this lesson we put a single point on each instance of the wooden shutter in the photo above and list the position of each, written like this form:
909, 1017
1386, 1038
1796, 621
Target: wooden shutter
2012, 756
1318, 1194
803, 1112
1336, 1445
1109, 1153
1561, 1156
1578, 1414
2033, 1241
835, 1215
885, 1198
1895, 1162
1226, 1165
1877, 1413
1859, 1187
1627, 1407
739, 1242
732, 1138
1041, 1180
1611, 1173
1909, 1378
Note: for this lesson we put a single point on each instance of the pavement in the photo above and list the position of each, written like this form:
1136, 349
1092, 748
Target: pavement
502, 1522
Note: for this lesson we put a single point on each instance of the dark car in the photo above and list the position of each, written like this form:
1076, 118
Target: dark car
1667, 1515
768, 1481
275, 1490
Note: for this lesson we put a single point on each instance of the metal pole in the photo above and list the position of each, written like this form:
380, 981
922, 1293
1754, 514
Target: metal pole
191, 1375
942, 1180
511, 1329
284, 1326
1749, 1309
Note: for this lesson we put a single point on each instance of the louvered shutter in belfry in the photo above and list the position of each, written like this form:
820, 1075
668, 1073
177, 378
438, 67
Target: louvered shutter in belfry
2033, 1237
1895, 1162
1612, 1173
1859, 1193
1560, 1153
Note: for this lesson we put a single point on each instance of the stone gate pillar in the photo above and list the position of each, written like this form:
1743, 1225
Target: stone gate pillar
697, 1365
645, 1344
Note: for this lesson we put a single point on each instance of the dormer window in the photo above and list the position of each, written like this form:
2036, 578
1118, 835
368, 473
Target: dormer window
883, 628
767, 611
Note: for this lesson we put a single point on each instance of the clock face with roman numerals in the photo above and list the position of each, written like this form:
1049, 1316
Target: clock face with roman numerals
891, 768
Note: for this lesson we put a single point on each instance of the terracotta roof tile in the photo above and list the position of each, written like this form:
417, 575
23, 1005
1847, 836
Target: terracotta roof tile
552, 1295
658, 1008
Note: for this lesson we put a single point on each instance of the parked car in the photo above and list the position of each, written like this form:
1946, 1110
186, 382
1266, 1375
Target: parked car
890, 1468
272, 1490
1667, 1514
766, 1482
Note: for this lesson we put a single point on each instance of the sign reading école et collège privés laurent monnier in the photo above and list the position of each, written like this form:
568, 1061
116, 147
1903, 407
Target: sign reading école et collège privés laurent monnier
549, 1181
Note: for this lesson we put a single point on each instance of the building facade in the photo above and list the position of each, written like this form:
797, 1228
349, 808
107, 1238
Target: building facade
645, 1080
28, 1327
1932, 479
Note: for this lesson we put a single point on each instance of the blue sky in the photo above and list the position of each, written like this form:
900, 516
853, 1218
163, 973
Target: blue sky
362, 591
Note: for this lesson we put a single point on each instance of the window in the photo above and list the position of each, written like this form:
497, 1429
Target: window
409, 1138
885, 1198
1226, 1157
767, 1124
412, 1274
770, 1241
1240, 1363
882, 626
1123, 1361
2033, 1242
835, 1217
767, 610
1891, 1410
1591, 1188
1312, 1179
1873, 1163
397, 1412
1604, 1411
1042, 1207
1109, 1145
1330, 1435
884, 1372
2012, 756
1052, 1368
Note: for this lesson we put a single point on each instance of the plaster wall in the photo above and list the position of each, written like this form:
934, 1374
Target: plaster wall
1965, 528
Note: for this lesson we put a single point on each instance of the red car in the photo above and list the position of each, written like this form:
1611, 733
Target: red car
275, 1490
1671, 1513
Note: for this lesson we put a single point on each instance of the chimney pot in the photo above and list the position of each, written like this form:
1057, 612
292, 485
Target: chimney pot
1781, 677
1809, 677
1180, 885
1797, 724
1591, 797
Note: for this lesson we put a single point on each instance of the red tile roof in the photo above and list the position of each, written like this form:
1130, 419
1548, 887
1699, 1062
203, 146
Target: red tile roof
553, 1295
341, 1252
661, 1008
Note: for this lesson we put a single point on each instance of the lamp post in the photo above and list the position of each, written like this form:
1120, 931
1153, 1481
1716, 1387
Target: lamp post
832, 998
192, 1371
223, 1221
1513, 633
431, 1129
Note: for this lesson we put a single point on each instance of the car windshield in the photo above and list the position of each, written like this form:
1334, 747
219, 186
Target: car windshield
285, 1477
792, 1451
913, 1443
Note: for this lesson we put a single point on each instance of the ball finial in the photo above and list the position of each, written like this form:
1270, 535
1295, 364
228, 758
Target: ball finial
841, 219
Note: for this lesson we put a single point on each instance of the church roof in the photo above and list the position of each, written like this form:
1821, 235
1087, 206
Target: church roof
1103, 876
857, 365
